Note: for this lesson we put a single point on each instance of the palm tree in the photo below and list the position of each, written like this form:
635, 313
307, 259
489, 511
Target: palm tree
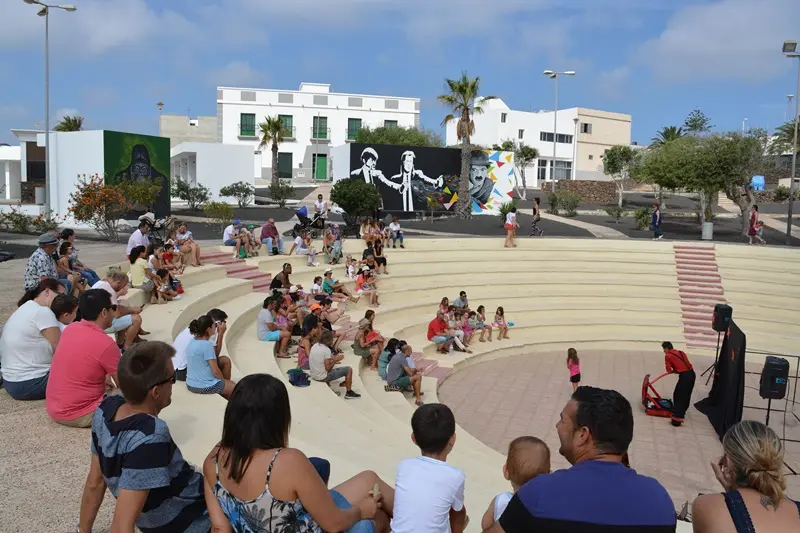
70, 124
463, 98
272, 131
668, 133
782, 139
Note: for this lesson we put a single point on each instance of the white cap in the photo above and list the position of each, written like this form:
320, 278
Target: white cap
365, 269
293, 289
329, 269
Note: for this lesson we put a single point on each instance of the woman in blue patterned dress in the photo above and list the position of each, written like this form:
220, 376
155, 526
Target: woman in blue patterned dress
255, 484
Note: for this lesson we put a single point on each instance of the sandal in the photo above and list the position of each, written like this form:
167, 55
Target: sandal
283, 356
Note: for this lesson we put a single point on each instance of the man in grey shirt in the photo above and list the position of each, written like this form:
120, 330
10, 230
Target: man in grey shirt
399, 375
461, 302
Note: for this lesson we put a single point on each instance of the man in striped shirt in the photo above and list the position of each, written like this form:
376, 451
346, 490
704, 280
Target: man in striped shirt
134, 456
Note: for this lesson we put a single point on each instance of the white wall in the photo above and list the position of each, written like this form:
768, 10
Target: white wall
215, 165
10, 172
72, 153
373, 112
340, 161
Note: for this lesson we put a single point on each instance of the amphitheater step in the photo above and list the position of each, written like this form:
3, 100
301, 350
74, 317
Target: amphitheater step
699, 288
236, 268
440, 373
210, 256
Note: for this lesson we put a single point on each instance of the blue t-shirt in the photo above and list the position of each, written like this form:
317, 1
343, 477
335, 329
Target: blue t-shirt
590, 497
198, 371
137, 453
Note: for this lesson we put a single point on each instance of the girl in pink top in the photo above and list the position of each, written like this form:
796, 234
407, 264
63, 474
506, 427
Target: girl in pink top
574, 365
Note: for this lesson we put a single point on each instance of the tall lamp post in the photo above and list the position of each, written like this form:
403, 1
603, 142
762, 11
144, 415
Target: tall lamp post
554, 76
790, 51
45, 12
788, 107
575, 150
160, 106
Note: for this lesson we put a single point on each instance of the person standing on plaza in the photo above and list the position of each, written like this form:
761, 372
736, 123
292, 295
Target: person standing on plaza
537, 209
655, 222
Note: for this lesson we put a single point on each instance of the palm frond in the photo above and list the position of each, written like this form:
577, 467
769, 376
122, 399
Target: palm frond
448, 118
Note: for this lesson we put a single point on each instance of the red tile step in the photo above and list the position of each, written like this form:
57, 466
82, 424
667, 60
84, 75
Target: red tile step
682, 247
228, 261
440, 373
700, 274
425, 365
700, 282
254, 274
214, 255
689, 289
235, 268
699, 331
696, 315
707, 268
696, 323
692, 262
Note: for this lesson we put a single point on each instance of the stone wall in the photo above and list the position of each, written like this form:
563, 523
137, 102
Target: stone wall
591, 192
27, 194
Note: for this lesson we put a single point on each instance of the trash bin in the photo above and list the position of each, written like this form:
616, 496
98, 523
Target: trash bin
707, 233
39, 196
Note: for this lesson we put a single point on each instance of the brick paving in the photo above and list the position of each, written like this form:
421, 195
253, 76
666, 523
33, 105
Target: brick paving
497, 401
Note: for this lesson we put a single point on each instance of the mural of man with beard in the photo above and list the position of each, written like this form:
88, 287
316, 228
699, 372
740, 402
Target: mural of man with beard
140, 168
480, 184
409, 173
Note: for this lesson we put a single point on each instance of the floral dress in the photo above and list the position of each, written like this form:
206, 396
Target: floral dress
265, 514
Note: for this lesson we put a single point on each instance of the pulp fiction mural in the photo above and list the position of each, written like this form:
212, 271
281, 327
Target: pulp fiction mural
406, 176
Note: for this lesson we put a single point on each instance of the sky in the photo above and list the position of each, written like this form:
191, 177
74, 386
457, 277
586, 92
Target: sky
112, 60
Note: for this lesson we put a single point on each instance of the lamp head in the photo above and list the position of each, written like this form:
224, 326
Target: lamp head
789, 47
570, 73
160, 105
30, 1
42, 12
548, 72
69, 7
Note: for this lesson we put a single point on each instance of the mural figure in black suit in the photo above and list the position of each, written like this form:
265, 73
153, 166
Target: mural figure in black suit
368, 172
407, 174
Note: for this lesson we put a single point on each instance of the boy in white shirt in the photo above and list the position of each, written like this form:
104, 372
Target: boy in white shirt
429, 493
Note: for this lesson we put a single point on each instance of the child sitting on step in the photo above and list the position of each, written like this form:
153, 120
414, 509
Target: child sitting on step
501, 324
527, 458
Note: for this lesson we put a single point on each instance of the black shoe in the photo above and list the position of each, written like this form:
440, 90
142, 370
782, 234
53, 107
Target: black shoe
350, 395
401, 246
393, 246
676, 423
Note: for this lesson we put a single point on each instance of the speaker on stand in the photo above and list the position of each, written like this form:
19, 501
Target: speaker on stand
720, 321
774, 378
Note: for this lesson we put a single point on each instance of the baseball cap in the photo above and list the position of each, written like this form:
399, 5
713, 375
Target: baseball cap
365, 268
237, 222
329, 269
293, 289
314, 307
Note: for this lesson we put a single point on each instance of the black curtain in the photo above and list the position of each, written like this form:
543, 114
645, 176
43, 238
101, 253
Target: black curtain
725, 402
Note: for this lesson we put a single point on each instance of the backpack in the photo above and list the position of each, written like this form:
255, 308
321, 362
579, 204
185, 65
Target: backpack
298, 378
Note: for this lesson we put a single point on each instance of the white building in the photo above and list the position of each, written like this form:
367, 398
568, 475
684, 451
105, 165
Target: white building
214, 165
595, 131
314, 118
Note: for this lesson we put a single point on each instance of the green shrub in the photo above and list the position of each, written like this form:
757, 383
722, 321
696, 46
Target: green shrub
569, 201
195, 197
782, 193
220, 213
243, 192
280, 191
16, 220
643, 216
552, 203
505, 209
46, 222
615, 212
356, 197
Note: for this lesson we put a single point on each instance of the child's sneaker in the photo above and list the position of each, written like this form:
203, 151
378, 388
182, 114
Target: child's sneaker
351, 395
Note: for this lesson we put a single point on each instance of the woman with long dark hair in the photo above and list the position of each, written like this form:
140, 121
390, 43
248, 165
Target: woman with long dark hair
254, 482
205, 372
29, 339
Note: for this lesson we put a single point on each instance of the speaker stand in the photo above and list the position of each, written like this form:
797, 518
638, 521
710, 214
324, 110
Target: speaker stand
714, 364
769, 406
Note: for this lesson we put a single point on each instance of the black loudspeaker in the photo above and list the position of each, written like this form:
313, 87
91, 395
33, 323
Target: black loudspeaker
774, 378
723, 314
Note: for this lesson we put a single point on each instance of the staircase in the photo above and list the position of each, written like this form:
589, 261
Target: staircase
700, 289
237, 268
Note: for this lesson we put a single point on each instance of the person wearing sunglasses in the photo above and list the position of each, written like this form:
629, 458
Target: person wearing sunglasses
133, 453
85, 360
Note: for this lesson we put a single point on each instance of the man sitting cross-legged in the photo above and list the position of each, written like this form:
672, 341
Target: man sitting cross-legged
127, 322
401, 376
133, 453
439, 334
322, 363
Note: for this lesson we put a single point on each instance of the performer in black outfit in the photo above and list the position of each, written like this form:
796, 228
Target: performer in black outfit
677, 362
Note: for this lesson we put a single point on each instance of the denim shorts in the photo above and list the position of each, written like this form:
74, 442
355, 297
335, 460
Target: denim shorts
272, 336
440, 339
336, 373
362, 526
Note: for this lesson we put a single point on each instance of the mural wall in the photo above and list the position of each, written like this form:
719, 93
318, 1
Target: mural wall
406, 176
134, 157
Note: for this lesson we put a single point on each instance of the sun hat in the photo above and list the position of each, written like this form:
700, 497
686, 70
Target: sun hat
47, 239
365, 268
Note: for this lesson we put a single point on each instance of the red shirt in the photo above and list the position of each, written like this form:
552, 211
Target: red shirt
436, 327
676, 361
268, 230
84, 357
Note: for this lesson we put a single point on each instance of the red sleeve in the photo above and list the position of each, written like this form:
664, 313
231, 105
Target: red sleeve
109, 359
431, 331
668, 363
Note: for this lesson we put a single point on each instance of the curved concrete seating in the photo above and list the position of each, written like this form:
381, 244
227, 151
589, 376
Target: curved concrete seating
559, 293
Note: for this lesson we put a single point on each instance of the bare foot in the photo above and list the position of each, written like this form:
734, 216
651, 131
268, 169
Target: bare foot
482, 340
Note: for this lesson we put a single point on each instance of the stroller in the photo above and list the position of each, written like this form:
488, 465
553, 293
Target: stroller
653, 403
316, 225
351, 227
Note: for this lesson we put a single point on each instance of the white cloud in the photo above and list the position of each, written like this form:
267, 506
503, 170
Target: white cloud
237, 74
612, 84
65, 112
727, 39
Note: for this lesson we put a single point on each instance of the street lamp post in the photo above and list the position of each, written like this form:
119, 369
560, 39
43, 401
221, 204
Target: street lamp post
575, 149
788, 107
790, 51
160, 106
554, 76
45, 12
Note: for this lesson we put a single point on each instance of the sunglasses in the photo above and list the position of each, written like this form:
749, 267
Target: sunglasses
173, 378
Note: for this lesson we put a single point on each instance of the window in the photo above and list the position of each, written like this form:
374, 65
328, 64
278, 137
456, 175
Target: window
285, 165
503, 117
586, 128
320, 99
563, 170
353, 101
391, 104
546, 136
248, 96
389, 123
285, 98
353, 125
320, 128
542, 170
520, 134
247, 125
288, 125
591, 157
